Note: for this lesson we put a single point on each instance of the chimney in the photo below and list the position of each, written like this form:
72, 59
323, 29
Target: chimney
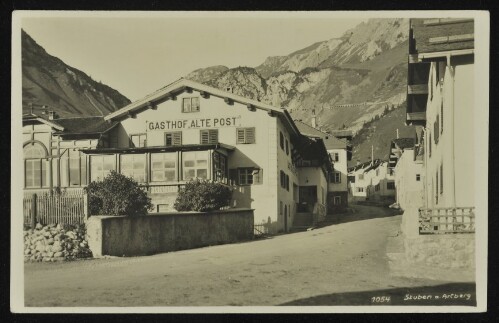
397, 133
314, 119
52, 115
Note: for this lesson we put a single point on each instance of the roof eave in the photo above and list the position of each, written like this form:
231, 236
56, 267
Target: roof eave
181, 85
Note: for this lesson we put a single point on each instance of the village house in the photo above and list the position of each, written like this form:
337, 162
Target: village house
409, 175
340, 153
371, 181
440, 101
181, 132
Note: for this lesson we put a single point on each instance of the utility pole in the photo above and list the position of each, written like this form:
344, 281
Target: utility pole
372, 155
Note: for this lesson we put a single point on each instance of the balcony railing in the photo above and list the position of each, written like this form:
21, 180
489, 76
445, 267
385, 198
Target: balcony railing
447, 220
417, 89
416, 116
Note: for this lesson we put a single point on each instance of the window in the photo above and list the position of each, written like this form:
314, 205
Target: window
209, 136
164, 167
77, 168
336, 157
390, 185
190, 104
195, 165
377, 188
284, 180
173, 138
442, 117
280, 207
281, 140
336, 177
361, 177
337, 200
219, 167
245, 135
360, 189
101, 166
418, 177
436, 130
36, 167
441, 178
429, 145
134, 166
287, 147
436, 188
138, 140
245, 176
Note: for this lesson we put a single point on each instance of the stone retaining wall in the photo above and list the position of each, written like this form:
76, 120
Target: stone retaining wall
164, 232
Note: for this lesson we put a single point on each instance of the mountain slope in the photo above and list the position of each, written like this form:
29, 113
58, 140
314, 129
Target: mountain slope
379, 133
345, 81
70, 92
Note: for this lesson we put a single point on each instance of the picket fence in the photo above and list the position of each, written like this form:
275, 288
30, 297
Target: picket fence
55, 208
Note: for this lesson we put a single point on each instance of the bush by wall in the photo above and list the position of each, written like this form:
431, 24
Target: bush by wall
55, 243
117, 195
203, 196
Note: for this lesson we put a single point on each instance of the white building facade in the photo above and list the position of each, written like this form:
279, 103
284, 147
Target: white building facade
189, 131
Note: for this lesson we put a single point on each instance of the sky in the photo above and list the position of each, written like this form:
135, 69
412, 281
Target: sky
138, 55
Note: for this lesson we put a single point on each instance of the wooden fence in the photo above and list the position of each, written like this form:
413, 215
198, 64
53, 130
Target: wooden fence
447, 220
55, 208
260, 229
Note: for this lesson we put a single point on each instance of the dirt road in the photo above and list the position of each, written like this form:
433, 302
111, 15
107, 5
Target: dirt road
343, 258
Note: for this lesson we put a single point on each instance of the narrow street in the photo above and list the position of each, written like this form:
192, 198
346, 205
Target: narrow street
297, 268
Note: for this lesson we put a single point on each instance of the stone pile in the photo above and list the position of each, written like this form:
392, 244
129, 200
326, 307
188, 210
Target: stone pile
55, 243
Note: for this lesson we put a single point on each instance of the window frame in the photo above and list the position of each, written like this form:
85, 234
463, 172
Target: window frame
132, 174
163, 169
390, 185
132, 144
173, 133
245, 139
209, 134
195, 167
190, 110
101, 157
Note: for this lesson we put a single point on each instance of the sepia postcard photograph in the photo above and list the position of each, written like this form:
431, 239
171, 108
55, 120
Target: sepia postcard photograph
249, 162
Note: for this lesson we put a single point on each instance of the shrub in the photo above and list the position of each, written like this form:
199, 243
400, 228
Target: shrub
203, 196
117, 195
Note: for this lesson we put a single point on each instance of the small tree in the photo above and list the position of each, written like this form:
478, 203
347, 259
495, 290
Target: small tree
117, 195
203, 196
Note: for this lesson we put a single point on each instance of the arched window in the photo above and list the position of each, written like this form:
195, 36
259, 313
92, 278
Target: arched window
36, 165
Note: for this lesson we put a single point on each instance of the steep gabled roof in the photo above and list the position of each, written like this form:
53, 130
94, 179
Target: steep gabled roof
85, 125
182, 85
397, 147
308, 130
330, 141
34, 117
403, 143
75, 125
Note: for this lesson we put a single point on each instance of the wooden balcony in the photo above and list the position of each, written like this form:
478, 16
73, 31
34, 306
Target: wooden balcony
417, 89
447, 220
416, 116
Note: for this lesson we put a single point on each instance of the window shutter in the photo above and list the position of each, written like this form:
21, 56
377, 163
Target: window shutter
195, 104
186, 105
204, 136
233, 176
213, 136
250, 135
257, 176
240, 136
177, 138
